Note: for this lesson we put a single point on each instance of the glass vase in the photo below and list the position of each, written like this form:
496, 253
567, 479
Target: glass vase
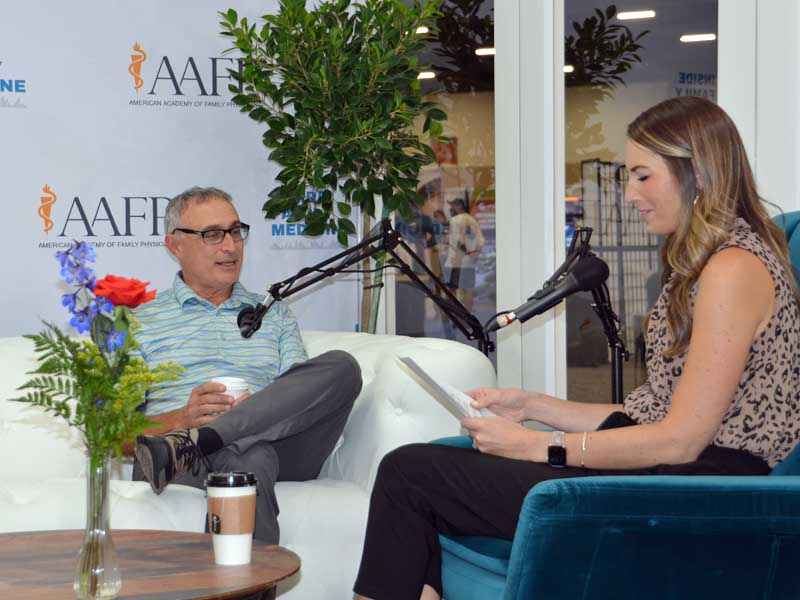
97, 575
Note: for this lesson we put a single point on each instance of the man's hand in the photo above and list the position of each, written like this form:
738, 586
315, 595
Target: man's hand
206, 403
508, 403
498, 436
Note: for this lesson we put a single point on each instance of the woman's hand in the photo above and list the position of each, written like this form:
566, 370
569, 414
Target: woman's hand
508, 403
498, 436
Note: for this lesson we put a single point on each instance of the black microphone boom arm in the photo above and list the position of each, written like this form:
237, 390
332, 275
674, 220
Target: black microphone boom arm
384, 238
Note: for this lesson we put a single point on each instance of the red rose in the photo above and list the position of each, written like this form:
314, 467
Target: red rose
122, 291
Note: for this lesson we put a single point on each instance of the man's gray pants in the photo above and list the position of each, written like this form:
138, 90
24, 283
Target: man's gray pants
284, 432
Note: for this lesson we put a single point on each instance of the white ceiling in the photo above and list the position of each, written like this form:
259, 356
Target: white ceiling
663, 55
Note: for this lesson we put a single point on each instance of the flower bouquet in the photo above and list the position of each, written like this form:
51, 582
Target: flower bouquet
97, 384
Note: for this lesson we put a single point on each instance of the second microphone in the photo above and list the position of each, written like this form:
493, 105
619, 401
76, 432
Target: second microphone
585, 275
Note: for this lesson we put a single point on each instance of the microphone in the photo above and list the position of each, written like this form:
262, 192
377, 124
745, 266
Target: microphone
249, 319
586, 274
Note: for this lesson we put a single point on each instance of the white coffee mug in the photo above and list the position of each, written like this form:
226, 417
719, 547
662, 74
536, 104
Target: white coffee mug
231, 516
234, 386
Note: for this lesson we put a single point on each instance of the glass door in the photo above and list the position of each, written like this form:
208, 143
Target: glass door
619, 60
454, 229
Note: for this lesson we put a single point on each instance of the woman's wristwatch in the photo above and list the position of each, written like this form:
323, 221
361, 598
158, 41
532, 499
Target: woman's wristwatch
557, 450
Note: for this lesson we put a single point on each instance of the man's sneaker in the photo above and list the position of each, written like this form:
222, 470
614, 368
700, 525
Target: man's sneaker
163, 458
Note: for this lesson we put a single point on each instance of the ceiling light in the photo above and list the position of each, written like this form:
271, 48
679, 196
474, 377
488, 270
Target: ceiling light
485, 51
568, 68
422, 30
699, 37
426, 75
636, 14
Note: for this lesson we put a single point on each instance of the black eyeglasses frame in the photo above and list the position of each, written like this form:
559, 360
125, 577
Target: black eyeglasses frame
244, 231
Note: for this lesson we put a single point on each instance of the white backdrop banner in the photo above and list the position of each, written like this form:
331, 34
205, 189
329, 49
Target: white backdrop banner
108, 109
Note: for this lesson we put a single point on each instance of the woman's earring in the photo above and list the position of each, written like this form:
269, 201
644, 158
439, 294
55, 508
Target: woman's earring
696, 198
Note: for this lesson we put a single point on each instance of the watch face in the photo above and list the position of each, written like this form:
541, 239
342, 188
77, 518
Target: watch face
557, 456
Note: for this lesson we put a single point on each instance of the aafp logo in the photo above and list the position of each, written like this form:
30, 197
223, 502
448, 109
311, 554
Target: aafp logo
126, 218
180, 76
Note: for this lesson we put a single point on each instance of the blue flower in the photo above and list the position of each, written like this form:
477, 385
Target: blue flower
73, 264
81, 320
75, 272
83, 252
115, 340
84, 275
67, 274
69, 300
101, 304
78, 274
63, 257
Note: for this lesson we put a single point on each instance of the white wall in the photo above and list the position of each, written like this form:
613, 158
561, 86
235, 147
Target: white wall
529, 167
758, 74
777, 55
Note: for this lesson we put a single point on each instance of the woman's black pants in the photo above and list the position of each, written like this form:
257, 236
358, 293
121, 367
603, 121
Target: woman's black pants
422, 490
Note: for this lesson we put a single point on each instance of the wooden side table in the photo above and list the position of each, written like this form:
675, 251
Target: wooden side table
156, 565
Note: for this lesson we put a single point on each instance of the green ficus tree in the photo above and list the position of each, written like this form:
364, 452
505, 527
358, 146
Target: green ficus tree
336, 88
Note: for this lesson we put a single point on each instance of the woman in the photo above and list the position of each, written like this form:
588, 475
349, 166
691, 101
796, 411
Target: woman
722, 389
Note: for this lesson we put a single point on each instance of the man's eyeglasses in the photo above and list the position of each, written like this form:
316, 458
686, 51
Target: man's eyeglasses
215, 236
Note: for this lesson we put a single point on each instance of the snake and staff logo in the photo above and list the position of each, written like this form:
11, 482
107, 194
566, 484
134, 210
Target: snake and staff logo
182, 81
135, 68
46, 207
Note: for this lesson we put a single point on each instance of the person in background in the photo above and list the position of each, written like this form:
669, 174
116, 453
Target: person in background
441, 228
465, 243
723, 389
420, 234
293, 419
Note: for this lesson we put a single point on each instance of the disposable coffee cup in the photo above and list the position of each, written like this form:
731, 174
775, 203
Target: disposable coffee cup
231, 516
234, 386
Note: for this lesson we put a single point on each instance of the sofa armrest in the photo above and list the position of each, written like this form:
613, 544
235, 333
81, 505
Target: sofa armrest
723, 536
392, 408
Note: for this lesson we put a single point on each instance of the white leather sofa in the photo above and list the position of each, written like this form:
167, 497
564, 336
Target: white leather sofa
42, 486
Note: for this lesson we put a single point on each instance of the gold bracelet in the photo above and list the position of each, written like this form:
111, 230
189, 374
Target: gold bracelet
583, 447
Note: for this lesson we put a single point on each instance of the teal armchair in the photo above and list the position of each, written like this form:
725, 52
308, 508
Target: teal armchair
654, 537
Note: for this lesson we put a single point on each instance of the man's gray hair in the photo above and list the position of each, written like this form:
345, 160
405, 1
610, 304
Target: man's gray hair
177, 205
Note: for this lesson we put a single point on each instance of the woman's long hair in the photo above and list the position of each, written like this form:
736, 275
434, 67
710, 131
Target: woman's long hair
705, 154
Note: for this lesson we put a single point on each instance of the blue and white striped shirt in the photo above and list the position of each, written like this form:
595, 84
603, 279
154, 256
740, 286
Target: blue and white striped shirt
204, 339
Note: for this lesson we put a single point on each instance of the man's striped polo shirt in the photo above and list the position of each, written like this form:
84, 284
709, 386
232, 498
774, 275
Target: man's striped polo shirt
204, 339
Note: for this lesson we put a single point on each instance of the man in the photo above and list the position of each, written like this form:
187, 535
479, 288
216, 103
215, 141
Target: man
466, 241
283, 431
420, 234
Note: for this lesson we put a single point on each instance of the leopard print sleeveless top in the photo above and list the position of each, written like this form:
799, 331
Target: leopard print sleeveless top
764, 417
